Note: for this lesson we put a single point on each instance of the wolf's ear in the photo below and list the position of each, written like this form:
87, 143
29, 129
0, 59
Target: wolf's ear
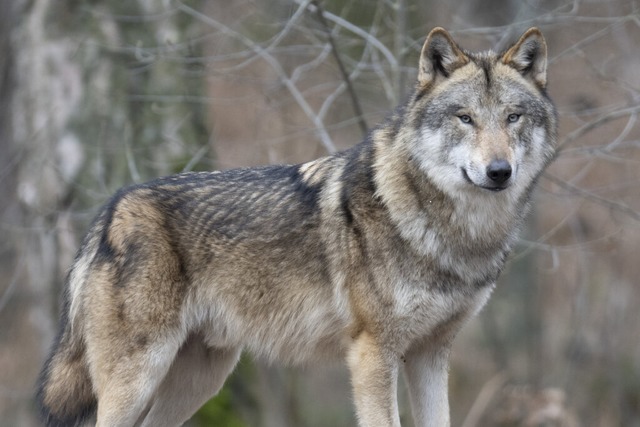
440, 57
529, 56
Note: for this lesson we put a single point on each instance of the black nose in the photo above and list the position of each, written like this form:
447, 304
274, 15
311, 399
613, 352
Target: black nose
499, 171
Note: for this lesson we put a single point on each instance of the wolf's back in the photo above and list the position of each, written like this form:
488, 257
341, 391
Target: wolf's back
65, 396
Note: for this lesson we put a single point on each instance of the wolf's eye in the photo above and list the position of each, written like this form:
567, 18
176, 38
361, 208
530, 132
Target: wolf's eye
465, 118
512, 118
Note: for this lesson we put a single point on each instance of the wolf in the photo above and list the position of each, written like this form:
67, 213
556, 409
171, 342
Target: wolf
376, 255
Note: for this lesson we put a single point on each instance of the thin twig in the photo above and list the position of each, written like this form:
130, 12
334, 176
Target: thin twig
617, 206
399, 45
323, 134
361, 33
591, 38
355, 102
577, 133
329, 100
13, 283
481, 403
131, 161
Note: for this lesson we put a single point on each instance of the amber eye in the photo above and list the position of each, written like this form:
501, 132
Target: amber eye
465, 118
512, 118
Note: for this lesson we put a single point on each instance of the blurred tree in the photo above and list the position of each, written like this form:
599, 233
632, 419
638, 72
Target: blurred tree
78, 82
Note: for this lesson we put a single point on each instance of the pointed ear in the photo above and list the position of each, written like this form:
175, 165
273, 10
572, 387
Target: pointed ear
440, 57
529, 56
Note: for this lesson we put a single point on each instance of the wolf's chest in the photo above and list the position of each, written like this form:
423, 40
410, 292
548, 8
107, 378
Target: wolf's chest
452, 283
427, 308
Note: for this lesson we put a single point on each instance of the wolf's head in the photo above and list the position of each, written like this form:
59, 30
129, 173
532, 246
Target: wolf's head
483, 120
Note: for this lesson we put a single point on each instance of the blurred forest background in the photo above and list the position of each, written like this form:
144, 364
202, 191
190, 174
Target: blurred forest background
96, 94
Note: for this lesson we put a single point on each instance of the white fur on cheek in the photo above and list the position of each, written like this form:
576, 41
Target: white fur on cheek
442, 167
529, 164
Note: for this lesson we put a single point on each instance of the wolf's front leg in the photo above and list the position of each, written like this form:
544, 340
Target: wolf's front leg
426, 374
374, 375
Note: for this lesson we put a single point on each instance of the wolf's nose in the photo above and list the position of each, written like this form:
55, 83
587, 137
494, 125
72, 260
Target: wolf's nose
499, 171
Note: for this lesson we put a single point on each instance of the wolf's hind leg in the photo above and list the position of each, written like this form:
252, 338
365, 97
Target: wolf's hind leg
127, 383
197, 374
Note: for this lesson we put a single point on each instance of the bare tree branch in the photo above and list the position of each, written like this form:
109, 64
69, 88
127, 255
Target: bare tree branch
393, 62
483, 400
355, 102
323, 134
613, 115
617, 206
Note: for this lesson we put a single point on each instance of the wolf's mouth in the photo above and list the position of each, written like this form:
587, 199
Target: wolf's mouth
495, 189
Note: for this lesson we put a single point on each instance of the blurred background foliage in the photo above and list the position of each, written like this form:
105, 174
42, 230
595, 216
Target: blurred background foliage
96, 94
